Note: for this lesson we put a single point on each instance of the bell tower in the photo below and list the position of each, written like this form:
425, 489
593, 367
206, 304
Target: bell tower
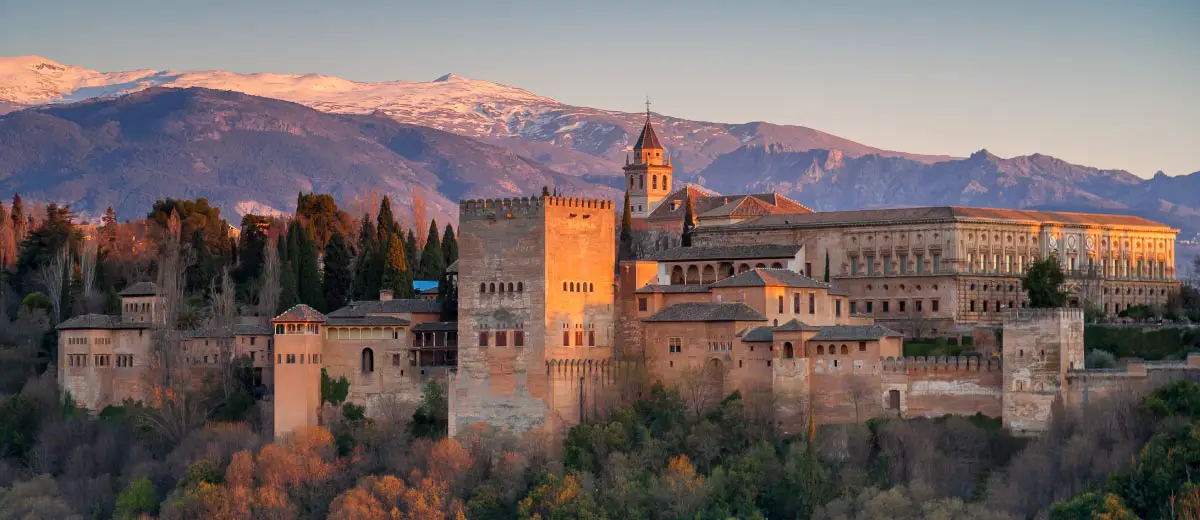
647, 172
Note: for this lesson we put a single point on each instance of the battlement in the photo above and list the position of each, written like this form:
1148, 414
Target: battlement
1031, 315
908, 364
526, 206
590, 366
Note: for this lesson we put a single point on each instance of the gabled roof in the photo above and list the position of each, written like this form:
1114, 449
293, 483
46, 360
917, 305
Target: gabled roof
765, 277
750, 252
90, 321
399, 306
707, 311
854, 333
300, 312
141, 289
253, 329
649, 139
672, 289
706, 203
759, 335
748, 206
796, 325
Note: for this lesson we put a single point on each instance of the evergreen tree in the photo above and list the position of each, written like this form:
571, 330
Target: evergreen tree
411, 252
448, 296
826, 266
108, 227
1043, 282
20, 221
336, 284
321, 217
449, 246
385, 221
625, 250
289, 291
308, 273
689, 220
433, 260
251, 249
366, 267
395, 269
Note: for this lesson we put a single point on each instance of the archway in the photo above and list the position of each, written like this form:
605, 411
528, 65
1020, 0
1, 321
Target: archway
743, 268
725, 270
676, 275
893, 399
788, 351
709, 275
693, 275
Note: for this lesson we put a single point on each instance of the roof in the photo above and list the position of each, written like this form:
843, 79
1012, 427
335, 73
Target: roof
248, 329
648, 139
207, 332
836, 291
436, 326
300, 312
795, 325
707, 311
853, 333
759, 334
764, 277
673, 289
398, 306
710, 204
946, 214
748, 252
366, 321
90, 321
141, 289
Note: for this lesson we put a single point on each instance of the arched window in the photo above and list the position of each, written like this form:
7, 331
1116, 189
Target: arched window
510, 287
845, 350
368, 361
501, 287
591, 287
564, 286
630, 181
654, 181
482, 288
760, 266
520, 287
788, 351
572, 286
492, 287
776, 265
820, 350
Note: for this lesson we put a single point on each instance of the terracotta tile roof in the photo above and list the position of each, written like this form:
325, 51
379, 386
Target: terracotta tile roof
208, 333
765, 277
854, 333
253, 329
796, 325
300, 312
944, 214
707, 311
366, 321
649, 139
141, 289
435, 326
672, 289
398, 306
709, 204
759, 335
90, 321
746, 206
750, 252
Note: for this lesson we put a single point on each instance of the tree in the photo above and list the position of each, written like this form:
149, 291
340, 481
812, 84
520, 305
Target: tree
202, 230
138, 498
395, 269
20, 222
1043, 283
449, 245
430, 419
302, 253
418, 217
338, 278
269, 283
411, 252
689, 220
826, 266
433, 261
367, 272
448, 296
53, 277
252, 245
8, 240
321, 216
625, 249
44, 243
289, 287
385, 221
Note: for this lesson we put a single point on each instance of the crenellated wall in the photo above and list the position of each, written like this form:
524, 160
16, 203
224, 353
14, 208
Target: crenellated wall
936, 386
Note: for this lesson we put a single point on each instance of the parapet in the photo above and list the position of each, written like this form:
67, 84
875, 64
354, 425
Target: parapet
589, 366
908, 364
526, 206
1028, 315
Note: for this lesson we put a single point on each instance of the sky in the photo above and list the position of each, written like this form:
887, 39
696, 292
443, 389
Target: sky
1097, 82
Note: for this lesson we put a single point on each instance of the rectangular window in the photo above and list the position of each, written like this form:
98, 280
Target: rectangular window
937, 262
812, 303
934, 305
674, 345
854, 266
862, 346
591, 338
483, 339
642, 304
795, 303
579, 338
920, 263
972, 305
971, 262
995, 263
291, 359
918, 305
885, 306
887, 265
780, 304
870, 308
280, 360
902, 305
395, 360
808, 269
502, 338
837, 307
997, 305
518, 338
904, 264
871, 265
853, 307
566, 338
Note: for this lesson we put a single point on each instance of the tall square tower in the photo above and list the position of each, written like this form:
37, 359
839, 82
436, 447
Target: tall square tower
535, 288
648, 175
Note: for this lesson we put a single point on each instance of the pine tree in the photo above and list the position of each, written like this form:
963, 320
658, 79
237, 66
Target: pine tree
366, 267
689, 220
19, 219
308, 272
625, 251
449, 246
395, 269
337, 280
108, 227
448, 296
827, 267
385, 222
411, 252
289, 292
433, 259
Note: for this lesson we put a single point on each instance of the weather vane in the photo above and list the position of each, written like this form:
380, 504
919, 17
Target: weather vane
647, 106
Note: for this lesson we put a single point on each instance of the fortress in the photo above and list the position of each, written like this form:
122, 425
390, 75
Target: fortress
807, 311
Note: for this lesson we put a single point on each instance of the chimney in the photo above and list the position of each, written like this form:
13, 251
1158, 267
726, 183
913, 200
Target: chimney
385, 295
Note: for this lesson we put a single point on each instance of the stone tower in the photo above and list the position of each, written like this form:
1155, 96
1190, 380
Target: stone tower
648, 173
535, 290
298, 352
1040, 347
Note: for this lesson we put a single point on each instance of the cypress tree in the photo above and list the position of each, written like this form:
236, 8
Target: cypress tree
827, 267
337, 280
433, 259
308, 272
625, 249
395, 269
385, 222
689, 220
448, 296
411, 253
289, 293
449, 246
366, 268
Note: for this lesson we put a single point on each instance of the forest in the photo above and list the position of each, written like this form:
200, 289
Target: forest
210, 453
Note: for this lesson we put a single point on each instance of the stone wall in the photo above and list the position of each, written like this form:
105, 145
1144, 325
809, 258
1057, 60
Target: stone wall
1039, 347
936, 386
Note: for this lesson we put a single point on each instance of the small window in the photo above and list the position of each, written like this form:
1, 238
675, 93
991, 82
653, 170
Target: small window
510, 287
291, 359
520, 287
591, 338
492, 287
482, 287
566, 338
501, 338
368, 361
812, 303
518, 338
642, 304
674, 345
579, 338
845, 350
395, 360
820, 350
781, 305
796, 303
483, 339
862, 346
885, 306
934, 305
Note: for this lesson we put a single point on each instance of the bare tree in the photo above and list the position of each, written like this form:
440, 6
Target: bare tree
168, 339
861, 389
87, 267
53, 276
701, 388
269, 284
224, 306
420, 225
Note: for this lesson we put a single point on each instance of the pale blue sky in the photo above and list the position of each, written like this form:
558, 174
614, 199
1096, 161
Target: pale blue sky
1107, 84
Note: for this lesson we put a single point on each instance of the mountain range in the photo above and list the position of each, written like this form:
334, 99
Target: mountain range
250, 141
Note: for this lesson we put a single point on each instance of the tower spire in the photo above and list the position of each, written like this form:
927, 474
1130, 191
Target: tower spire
647, 108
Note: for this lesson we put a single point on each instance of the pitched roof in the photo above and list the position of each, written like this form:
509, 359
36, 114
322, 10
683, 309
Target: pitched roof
435, 326
366, 321
706, 202
141, 289
746, 206
766, 277
945, 214
854, 333
253, 329
672, 289
90, 321
759, 335
749, 252
796, 325
300, 312
399, 306
649, 139
708, 311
